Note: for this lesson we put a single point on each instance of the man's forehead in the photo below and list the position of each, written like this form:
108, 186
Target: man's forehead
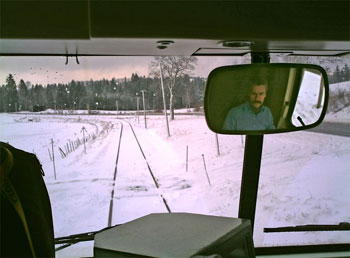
260, 87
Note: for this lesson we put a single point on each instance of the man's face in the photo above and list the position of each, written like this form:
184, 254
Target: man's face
257, 95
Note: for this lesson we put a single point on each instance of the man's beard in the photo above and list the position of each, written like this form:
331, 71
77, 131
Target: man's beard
254, 108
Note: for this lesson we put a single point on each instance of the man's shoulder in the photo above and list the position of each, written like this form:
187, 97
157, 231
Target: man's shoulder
239, 108
266, 108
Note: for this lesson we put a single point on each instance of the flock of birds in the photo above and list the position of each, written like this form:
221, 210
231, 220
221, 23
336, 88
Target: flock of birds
49, 76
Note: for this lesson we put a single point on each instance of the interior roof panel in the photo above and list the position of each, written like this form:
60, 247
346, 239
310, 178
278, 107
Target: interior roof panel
107, 27
298, 20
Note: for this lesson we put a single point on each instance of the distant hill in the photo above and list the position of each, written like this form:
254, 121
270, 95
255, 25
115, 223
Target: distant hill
339, 97
328, 63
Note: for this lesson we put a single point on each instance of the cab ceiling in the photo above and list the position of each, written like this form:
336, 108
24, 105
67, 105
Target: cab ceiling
192, 27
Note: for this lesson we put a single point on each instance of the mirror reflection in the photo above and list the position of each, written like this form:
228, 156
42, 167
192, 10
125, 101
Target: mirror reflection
251, 114
310, 99
264, 98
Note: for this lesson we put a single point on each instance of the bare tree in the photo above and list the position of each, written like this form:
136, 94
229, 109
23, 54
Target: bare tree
172, 67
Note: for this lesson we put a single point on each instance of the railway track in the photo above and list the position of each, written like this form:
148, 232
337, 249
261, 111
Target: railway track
134, 185
134, 182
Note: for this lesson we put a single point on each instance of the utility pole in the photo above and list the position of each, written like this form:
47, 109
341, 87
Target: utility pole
53, 158
116, 104
137, 107
84, 130
154, 102
205, 169
217, 144
165, 111
144, 106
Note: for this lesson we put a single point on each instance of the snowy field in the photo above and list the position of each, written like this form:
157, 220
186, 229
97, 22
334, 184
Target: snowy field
304, 175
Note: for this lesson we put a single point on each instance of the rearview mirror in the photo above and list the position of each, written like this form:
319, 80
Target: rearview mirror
265, 98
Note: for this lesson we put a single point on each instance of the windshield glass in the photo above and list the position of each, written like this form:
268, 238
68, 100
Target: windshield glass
111, 155
304, 175
100, 132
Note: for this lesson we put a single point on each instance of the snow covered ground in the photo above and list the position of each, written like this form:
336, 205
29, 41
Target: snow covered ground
304, 175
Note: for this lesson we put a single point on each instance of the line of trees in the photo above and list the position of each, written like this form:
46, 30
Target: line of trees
337, 68
340, 75
101, 94
181, 90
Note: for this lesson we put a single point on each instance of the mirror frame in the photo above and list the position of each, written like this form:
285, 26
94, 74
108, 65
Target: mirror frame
217, 70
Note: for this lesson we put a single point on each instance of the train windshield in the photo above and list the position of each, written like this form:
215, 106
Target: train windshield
112, 154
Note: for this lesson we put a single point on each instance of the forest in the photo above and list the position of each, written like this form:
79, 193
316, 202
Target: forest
119, 93
101, 94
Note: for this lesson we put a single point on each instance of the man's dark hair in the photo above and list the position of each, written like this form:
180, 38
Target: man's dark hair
259, 81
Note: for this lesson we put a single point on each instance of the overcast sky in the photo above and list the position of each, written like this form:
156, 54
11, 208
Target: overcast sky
45, 70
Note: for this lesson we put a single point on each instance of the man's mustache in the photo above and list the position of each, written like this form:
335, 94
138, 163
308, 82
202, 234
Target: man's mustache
257, 101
